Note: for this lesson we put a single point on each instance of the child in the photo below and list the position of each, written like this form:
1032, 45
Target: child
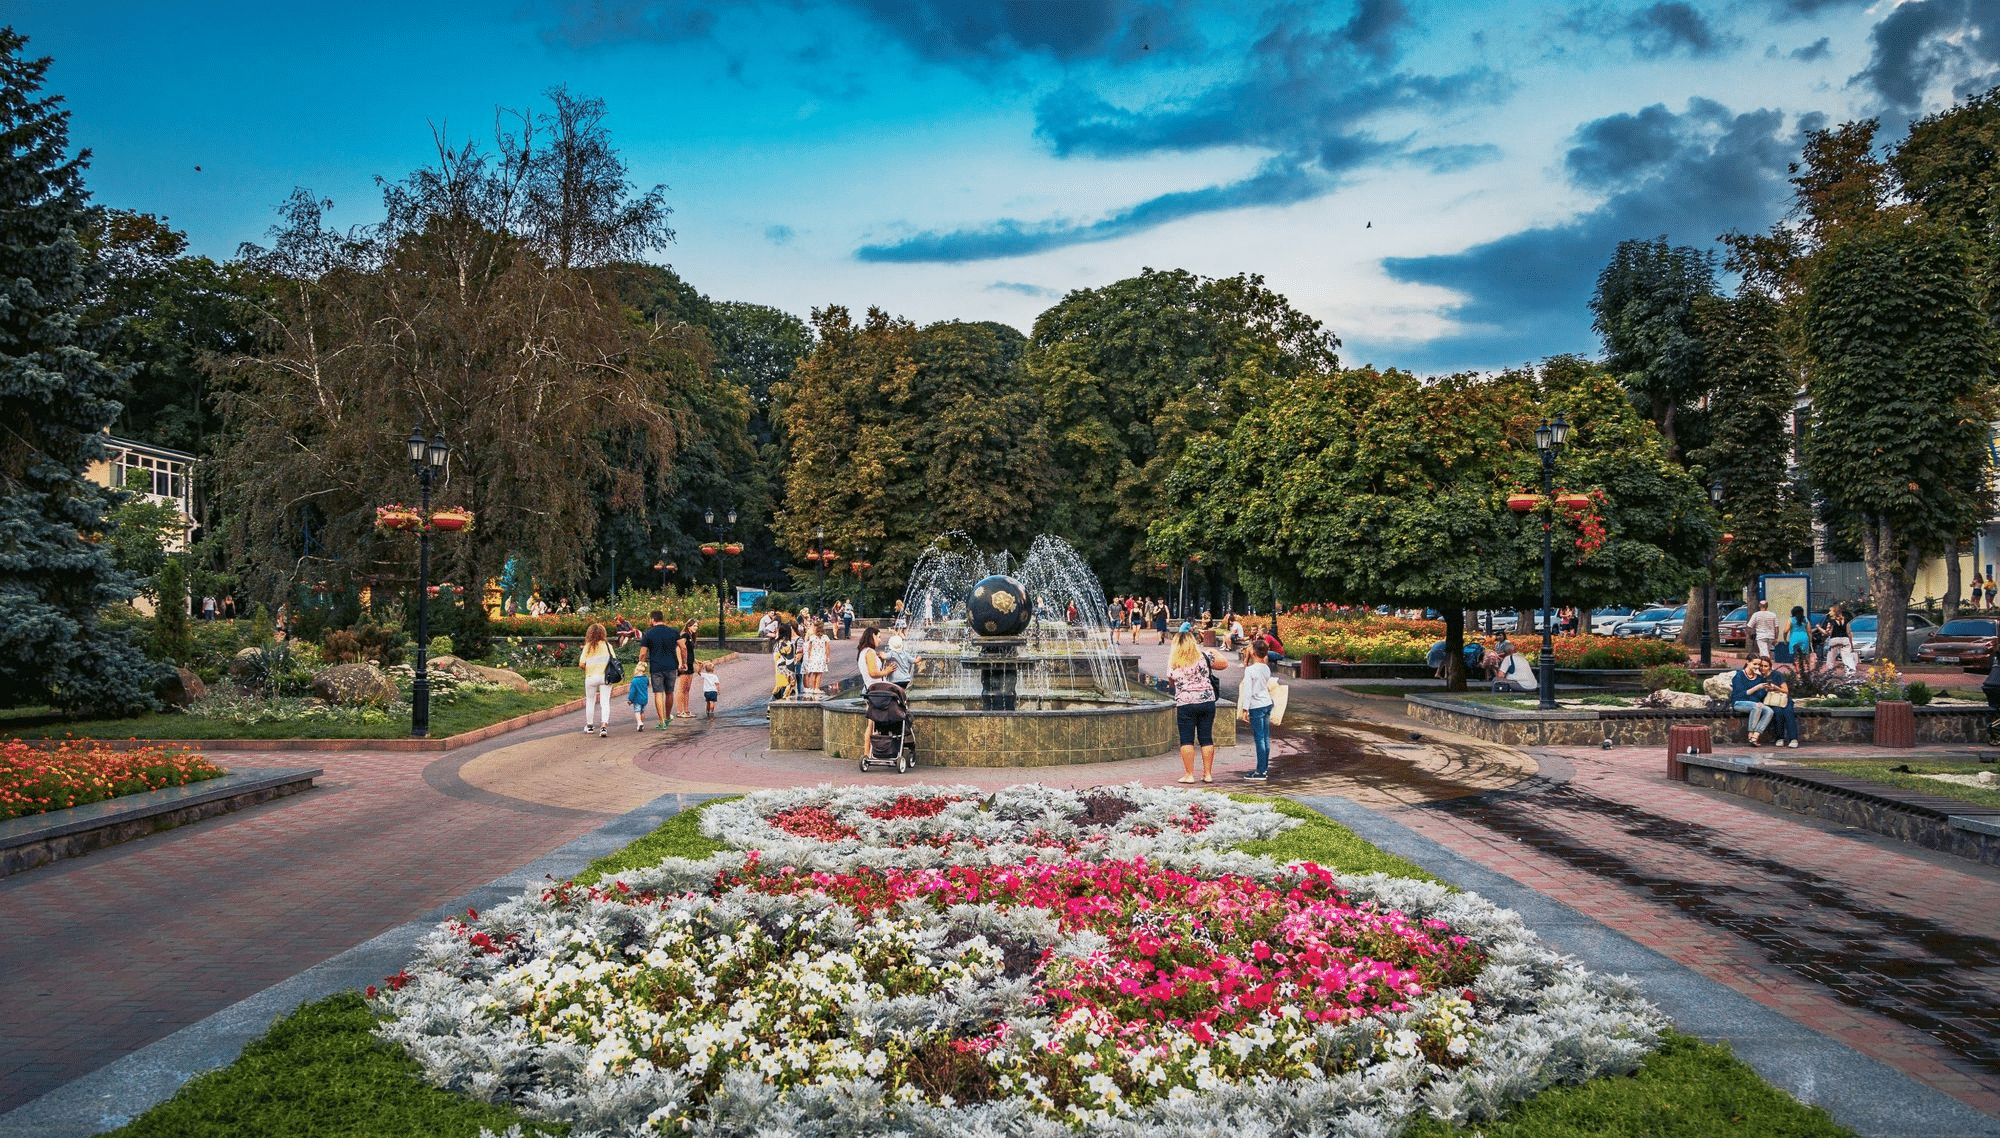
711, 685
637, 693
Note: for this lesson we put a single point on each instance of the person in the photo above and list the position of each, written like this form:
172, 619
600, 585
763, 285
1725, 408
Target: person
1992, 587
1194, 701
1274, 648
711, 686
875, 669
1114, 615
1748, 686
1839, 639
1475, 651
785, 663
623, 632
661, 645
1237, 638
208, 608
1977, 583
638, 693
1160, 619
1253, 698
684, 661
1497, 657
1763, 629
846, 610
898, 619
767, 625
903, 663
813, 667
1434, 659
1135, 615
596, 693
1798, 639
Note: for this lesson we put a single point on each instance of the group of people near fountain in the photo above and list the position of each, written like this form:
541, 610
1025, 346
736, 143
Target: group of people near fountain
1192, 670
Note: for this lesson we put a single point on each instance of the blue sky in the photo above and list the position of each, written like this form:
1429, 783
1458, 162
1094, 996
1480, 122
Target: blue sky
1439, 182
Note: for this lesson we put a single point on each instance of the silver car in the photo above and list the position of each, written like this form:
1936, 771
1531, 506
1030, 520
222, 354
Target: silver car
1918, 629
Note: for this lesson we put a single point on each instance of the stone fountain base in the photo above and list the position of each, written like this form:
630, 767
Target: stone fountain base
950, 737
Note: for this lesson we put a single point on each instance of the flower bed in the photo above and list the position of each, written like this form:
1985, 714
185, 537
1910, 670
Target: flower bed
35, 780
935, 961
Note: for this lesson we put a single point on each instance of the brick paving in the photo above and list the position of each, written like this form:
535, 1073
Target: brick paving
1888, 949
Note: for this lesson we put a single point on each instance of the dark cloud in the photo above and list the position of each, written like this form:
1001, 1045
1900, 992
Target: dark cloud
1654, 32
1802, 9
1303, 93
1922, 42
1815, 51
1690, 176
1278, 183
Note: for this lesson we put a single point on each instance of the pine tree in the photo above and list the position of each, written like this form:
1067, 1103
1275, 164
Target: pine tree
55, 398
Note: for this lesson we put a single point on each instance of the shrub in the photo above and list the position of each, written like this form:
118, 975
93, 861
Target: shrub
440, 646
1920, 693
308, 621
341, 647
80, 771
1884, 682
1612, 652
262, 631
381, 643
171, 638
473, 638
1670, 677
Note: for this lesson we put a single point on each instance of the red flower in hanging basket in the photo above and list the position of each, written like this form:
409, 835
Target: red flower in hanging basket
1571, 500
708, 548
451, 519
733, 549
397, 516
1522, 503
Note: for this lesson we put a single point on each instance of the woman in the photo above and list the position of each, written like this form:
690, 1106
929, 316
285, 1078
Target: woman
1160, 620
1839, 639
1253, 699
685, 658
876, 668
785, 661
814, 664
1798, 639
1194, 701
596, 693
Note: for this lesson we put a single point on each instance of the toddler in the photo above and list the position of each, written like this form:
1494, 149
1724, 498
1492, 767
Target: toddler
638, 692
711, 685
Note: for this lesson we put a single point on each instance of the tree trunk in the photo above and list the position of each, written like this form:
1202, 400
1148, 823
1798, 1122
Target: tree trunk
1890, 578
1696, 617
1454, 645
1953, 580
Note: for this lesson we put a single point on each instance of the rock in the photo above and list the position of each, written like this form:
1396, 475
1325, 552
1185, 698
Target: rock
180, 688
1680, 699
1988, 778
244, 664
1717, 686
505, 677
452, 664
350, 685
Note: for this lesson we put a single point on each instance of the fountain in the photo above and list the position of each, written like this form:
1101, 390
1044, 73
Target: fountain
1005, 676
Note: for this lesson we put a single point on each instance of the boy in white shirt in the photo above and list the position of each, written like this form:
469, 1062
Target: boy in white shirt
711, 686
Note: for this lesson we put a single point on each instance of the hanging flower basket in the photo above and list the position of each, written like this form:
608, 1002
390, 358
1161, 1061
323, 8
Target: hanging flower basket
1571, 500
1522, 503
709, 548
733, 549
451, 519
397, 517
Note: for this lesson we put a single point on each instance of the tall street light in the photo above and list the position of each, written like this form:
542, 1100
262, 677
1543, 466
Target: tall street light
427, 457
1708, 592
720, 549
664, 566
819, 555
1549, 439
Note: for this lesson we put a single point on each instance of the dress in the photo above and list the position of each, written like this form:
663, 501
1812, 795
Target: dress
815, 661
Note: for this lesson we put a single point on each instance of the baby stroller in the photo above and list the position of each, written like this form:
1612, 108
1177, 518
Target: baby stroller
889, 742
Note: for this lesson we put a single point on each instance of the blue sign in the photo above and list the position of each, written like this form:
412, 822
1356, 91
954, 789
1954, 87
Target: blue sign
746, 599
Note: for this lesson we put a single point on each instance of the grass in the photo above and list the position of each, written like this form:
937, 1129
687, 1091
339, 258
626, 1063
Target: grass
1875, 770
320, 1071
1398, 690
1686, 1089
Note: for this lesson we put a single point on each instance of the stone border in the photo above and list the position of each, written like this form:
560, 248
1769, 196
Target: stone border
39, 839
1862, 1093
114, 1094
1647, 727
1934, 822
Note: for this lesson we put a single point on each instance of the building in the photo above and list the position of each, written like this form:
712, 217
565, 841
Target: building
167, 476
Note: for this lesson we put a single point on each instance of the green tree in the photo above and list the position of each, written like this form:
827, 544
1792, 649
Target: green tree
1901, 359
1949, 164
56, 395
1644, 309
172, 638
1130, 372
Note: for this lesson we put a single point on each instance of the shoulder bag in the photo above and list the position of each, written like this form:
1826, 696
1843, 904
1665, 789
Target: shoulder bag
614, 672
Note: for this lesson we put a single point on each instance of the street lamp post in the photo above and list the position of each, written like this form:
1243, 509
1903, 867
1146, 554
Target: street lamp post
721, 586
665, 567
426, 459
1549, 439
1708, 591
819, 556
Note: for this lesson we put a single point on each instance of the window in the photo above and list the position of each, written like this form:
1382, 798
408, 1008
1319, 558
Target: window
163, 477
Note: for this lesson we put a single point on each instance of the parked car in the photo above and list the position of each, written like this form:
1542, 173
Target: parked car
1645, 624
1670, 628
1967, 641
1917, 631
1602, 621
1499, 621
1733, 629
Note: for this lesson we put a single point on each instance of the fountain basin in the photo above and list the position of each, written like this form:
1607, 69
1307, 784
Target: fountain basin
1055, 730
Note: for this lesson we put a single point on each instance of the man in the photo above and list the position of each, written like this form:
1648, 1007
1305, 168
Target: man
767, 625
684, 683
1763, 629
660, 643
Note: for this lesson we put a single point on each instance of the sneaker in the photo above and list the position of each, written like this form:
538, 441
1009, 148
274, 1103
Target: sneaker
1792, 743
587, 729
603, 734
1255, 776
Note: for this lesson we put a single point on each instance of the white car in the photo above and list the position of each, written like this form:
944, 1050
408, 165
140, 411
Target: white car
1602, 621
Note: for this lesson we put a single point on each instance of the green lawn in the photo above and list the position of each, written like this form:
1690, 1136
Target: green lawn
319, 1071
1877, 770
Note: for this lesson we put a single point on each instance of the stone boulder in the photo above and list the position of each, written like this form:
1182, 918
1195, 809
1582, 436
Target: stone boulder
351, 685
1682, 700
243, 665
456, 667
180, 688
505, 677
1717, 686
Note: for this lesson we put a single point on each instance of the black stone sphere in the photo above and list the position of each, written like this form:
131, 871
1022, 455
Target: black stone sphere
998, 606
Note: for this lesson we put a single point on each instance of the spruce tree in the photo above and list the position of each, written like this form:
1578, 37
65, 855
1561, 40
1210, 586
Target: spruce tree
55, 398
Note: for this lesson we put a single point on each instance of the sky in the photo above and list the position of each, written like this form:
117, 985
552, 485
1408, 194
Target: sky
1439, 182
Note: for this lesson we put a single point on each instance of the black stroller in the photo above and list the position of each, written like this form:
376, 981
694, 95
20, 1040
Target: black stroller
889, 737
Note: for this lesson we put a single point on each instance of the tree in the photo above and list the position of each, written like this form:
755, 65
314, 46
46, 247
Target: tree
1644, 309
1379, 487
139, 530
171, 636
456, 313
757, 347
1128, 373
56, 395
1902, 364
1949, 165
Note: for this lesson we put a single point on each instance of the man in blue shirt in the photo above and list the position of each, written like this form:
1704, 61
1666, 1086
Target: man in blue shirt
658, 642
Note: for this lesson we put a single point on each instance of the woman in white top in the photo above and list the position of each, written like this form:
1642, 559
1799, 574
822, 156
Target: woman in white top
814, 667
1253, 695
596, 693
876, 668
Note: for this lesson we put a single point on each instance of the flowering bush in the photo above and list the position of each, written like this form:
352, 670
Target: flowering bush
1143, 983
1587, 651
1884, 682
247, 709
1362, 638
35, 780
